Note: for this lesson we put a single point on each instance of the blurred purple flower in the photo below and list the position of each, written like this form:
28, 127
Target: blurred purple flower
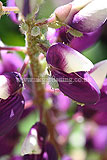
61, 102
65, 157
10, 62
26, 7
63, 129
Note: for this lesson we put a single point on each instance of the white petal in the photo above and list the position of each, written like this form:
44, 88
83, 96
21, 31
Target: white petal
30, 145
92, 16
76, 62
99, 72
77, 5
3, 87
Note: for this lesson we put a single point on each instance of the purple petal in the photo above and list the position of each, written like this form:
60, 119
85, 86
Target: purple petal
77, 43
67, 59
78, 86
10, 111
62, 102
91, 17
100, 118
10, 83
10, 63
65, 157
86, 41
63, 129
50, 152
8, 142
102, 104
13, 16
100, 138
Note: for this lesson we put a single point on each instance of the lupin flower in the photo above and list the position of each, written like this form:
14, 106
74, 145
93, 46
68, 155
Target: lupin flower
85, 16
35, 140
10, 82
11, 102
36, 143
70, 68
49, 153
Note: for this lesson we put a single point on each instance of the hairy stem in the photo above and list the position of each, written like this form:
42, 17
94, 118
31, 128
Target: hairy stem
33, 52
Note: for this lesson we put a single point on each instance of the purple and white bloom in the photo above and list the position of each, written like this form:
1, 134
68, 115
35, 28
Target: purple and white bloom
48, 153
11, 100
10, 83
90, 17
35, 139
85, 16
70, 68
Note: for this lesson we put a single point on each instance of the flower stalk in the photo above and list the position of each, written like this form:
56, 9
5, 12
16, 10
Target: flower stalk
33, 52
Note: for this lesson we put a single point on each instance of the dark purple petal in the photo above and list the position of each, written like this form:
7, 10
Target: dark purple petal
78, 86
102, 104
67, 59
87, 111
50, 152
10, 83
8, 142
100, 118
16, 158
10, 111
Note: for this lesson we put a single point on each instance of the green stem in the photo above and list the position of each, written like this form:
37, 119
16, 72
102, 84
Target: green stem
33, 52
